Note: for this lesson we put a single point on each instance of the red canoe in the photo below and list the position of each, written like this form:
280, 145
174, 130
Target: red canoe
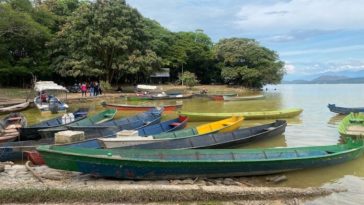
141, 107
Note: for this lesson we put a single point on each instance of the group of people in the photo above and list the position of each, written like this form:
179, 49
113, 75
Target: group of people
93, 87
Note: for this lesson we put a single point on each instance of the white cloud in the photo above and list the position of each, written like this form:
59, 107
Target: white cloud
289, 68
302, 14
322, 50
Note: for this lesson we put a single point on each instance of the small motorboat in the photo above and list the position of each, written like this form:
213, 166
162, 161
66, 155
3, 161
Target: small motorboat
45, 101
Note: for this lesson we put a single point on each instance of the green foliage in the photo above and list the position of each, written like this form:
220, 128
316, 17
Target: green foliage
104, 39
109, 40
105, 85
187, 78
245, 62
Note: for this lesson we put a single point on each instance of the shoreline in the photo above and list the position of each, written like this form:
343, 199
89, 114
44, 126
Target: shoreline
19, 185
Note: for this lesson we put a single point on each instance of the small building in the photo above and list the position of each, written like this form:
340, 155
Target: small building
161, 77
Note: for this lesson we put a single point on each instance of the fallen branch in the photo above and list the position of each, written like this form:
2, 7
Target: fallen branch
33, 173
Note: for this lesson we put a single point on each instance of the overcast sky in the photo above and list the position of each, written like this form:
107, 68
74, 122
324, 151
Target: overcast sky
311, 36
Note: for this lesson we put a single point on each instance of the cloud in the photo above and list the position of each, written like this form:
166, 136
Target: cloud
302, 14
289, 68
322, 50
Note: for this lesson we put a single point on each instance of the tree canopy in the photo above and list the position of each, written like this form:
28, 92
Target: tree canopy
111, 41
244, 62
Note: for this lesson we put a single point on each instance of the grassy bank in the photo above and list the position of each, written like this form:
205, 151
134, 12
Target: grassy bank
52, 195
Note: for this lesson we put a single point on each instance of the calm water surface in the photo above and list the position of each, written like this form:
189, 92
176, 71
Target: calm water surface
315, 126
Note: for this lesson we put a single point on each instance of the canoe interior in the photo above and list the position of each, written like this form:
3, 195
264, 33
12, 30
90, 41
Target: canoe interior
217, 140
352, 125
101, 117
209, 155
10, 125
31, 132
229, 124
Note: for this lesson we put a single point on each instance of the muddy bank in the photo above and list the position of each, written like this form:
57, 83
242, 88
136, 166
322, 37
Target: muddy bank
21, 185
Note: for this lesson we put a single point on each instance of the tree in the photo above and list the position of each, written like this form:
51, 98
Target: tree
104, 39
245, 62
192, 50
22, 43
188, 78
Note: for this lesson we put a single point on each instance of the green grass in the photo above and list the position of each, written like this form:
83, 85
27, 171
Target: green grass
13, 93
53, 195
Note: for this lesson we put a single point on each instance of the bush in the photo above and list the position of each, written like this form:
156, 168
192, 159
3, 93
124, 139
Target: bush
105, 85
188, 79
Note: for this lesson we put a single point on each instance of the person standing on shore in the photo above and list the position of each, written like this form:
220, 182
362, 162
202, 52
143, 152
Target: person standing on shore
96, 89
83, 89
91, 88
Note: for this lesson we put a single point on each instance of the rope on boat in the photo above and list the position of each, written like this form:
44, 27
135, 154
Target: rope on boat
32, 171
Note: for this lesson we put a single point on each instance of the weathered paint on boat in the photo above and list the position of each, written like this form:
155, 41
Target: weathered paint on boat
352, 125
31, 132
344, 110
14, 150
99, 118
225, 125
141, 107
214, 140
171, 164
273, 114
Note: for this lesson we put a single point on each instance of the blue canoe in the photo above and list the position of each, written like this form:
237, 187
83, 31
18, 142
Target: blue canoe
31, 132
15, 150
166, 126
344, 110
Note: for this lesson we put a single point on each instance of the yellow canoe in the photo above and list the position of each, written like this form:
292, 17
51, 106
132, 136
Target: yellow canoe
273, 114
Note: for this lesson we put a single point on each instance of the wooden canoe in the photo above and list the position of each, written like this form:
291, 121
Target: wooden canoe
99, 118
344, 110
141, 107
31, 132
273, 114
352, 125
10, 125
226, 125
171, 97
15, 150
14, 108
216, 140
192, 163
243, 98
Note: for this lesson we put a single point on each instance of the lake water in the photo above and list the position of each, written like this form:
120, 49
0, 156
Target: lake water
315, 126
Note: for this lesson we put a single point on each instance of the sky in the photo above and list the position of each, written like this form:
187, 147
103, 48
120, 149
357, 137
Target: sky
312, 37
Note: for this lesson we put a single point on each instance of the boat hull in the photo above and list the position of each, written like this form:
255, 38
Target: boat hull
243, 98
14, 108
175, 164
287, 113
141, 108
216, 140
344, 110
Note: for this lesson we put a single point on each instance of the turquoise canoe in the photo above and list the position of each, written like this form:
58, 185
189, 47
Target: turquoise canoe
172, 164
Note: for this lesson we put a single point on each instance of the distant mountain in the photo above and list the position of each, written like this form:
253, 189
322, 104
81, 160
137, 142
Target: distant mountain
346, 73
328, 79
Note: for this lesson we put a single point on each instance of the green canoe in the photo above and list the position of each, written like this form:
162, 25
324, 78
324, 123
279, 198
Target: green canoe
100, 117
352, 125
274, 114
172, 164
